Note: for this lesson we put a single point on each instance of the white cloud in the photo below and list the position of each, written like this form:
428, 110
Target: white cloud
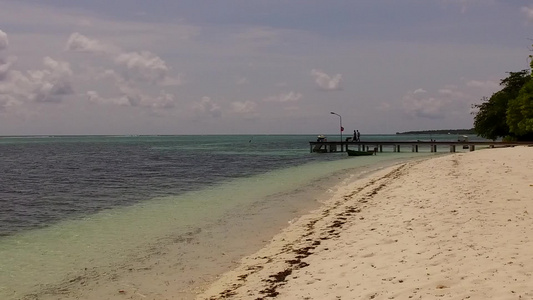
130, 96
94, 97
286, 97
146, 66
110, 74
206, 106
7, 101
162, 101
447, 101
137, 66
3, 40
430, 108
246, 107
326, 82
16, 84
4, 64
7, 96
50, 84
133, 95
4, 68
451, 92
528, 11
419, 104
135, 70
81, 43
58, 67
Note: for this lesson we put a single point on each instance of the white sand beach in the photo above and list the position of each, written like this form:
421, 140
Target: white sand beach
458, 226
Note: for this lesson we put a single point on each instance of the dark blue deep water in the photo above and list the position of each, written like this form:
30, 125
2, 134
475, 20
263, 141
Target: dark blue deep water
46, 179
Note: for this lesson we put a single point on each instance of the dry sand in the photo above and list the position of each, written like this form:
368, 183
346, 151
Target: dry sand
458, 226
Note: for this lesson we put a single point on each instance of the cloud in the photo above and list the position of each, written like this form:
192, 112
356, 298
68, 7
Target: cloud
7, 101
81, 43
3, 40
452, 92
53, 82
131, 96
429, 108
326, 82
50, 84
136, 66
449, 100
94, 97
135, 71
286, 97
528, 11
146, 66
246, 107
162, 101
416, 104
5, 65
206, 106
135, 97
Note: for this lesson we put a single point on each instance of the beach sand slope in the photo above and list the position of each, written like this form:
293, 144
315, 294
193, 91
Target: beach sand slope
458, 226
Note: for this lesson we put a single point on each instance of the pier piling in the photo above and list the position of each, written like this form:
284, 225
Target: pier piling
324, 147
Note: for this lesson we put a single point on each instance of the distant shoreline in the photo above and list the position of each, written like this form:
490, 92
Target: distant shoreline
440, 131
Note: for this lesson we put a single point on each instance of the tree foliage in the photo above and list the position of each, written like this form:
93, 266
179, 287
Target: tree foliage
507, 112
520, 113
490, 121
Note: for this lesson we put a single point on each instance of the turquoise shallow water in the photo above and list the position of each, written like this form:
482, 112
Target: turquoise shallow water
76, 203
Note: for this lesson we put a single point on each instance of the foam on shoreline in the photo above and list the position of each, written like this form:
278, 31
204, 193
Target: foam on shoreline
458, 226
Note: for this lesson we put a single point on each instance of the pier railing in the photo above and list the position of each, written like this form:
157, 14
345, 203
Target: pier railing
337, 146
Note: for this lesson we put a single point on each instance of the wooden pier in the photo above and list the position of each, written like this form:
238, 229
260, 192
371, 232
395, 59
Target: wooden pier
397, 146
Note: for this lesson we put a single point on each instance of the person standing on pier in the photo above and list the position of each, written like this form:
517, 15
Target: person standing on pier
358, 136
354, 136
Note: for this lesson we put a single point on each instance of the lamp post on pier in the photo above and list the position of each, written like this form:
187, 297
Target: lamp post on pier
340, 123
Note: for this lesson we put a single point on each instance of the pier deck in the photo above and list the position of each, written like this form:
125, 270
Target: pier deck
336, 146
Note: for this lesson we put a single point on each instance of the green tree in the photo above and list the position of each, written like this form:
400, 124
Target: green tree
490, 122
514, 83
491, 119
520, 113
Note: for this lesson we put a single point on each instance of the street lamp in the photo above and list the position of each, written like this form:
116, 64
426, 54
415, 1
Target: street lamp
340, 121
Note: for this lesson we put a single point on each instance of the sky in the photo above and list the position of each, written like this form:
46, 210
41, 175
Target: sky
126, 67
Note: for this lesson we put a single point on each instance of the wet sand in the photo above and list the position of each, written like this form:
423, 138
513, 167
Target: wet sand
458, 226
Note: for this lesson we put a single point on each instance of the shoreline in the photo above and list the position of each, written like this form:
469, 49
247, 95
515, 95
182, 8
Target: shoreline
454, 226
179, 265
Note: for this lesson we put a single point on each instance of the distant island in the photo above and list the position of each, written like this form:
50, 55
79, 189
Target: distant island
441, 131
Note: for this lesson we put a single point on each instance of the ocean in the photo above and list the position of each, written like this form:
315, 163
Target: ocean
155, 216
